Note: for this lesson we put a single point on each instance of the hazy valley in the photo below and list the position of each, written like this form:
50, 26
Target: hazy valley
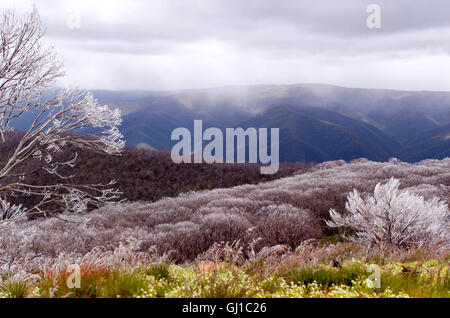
317, 122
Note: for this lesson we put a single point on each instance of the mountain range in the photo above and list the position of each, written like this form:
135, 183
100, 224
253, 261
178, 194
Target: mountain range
317, 122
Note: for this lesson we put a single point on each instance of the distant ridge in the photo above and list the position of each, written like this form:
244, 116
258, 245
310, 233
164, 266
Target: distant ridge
317, 122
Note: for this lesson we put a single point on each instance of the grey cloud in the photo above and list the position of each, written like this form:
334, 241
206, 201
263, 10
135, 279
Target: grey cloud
183, 43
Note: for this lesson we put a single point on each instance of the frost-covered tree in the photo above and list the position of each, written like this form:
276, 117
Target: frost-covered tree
394, 217
28, 70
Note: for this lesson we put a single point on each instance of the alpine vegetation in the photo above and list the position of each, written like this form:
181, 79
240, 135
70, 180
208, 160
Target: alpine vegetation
264, 240
285, 212
394, 217
28, 70
192, 223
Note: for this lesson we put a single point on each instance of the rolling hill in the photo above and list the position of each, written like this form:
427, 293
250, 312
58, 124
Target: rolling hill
317, 122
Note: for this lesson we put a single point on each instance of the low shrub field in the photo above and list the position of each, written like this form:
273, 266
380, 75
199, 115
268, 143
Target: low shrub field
307, 272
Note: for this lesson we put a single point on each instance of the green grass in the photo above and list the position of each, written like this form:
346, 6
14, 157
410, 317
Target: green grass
428, 280
254, 279
16, 289
124, 285
159, 271
226, 283
326, 275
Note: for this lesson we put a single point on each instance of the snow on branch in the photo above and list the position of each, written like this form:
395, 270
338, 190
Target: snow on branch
61, 118
394, 217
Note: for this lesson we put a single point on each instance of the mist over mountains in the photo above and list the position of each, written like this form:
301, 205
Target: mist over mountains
317, 122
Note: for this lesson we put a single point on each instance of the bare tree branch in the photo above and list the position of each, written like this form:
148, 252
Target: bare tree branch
27, 74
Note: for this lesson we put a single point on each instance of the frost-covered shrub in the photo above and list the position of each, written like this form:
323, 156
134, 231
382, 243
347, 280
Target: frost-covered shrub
9, 211
283, 211
394, 217
286, 224
219, 227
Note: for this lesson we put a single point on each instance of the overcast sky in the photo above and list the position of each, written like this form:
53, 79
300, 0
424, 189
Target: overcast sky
173, 44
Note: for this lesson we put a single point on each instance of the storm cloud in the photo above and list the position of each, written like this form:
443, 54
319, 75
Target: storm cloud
174, 44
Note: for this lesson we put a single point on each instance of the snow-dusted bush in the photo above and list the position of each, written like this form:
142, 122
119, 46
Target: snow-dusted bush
9, 211
394, 217
285, 211
218, 227
286, 224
